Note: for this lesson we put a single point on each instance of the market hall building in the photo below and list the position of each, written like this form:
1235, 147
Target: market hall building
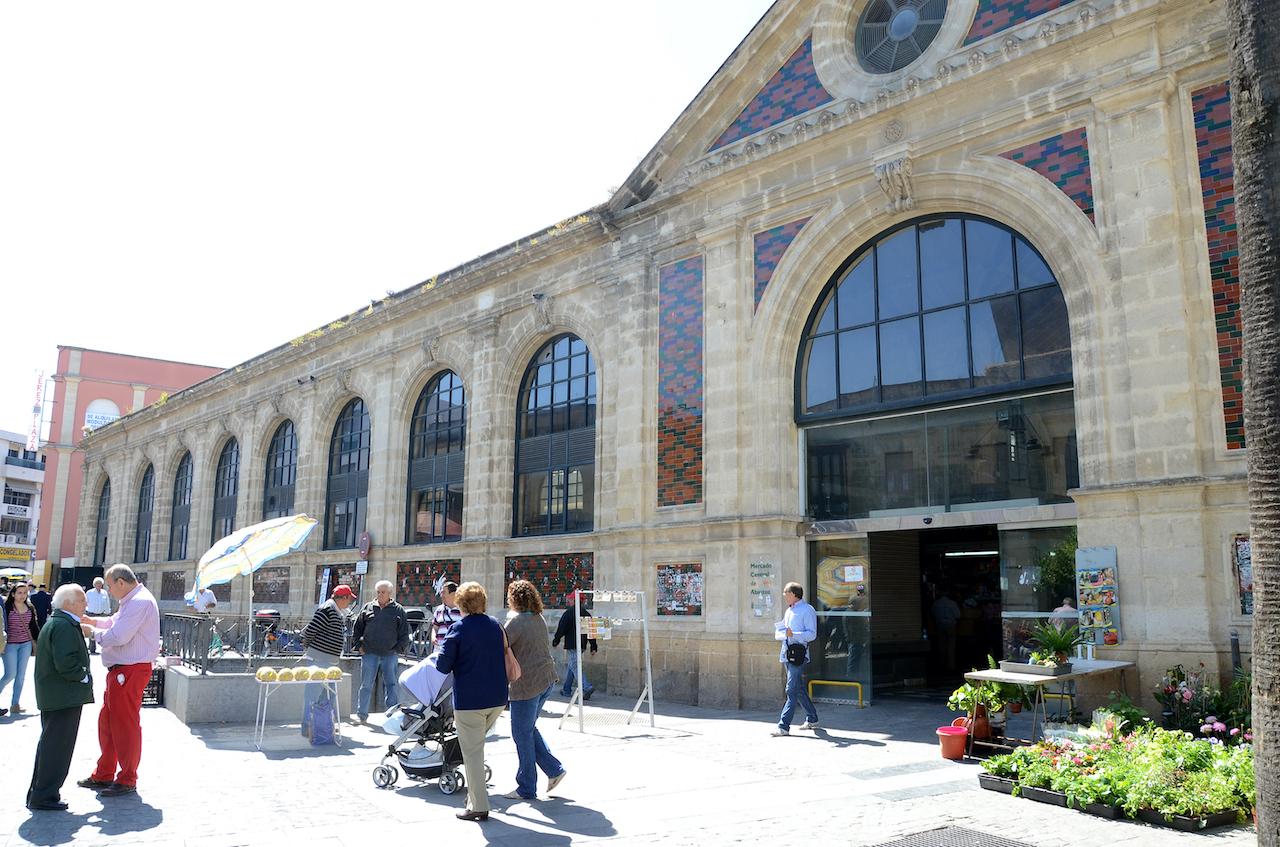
908, 300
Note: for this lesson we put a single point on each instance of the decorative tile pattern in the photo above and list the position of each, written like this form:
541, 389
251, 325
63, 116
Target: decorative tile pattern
769, 247
680, 383
793, 90
555, 575
415, 581
1064, 161
680, 589
271, 585
998, 15
1212, 109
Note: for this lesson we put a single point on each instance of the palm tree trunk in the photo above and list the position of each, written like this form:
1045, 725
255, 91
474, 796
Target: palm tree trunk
1255, 119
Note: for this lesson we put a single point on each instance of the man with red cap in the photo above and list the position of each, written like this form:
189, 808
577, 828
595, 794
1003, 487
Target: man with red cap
323, 639
564, 631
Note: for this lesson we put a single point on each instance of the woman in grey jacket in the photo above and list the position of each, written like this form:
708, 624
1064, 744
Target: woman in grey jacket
527, 634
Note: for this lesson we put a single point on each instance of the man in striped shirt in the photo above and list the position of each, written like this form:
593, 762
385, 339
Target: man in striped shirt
323, 638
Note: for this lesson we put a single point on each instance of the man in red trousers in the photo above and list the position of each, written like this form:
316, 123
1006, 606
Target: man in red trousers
130, 642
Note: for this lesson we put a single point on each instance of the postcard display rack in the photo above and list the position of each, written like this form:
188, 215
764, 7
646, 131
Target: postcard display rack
611, 609
1098, 595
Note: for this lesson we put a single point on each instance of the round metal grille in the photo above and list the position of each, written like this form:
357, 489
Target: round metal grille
894, 33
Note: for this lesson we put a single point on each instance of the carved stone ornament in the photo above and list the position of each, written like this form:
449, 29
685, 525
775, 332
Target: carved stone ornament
1012, 47
431, 348
943, 72
894, 177
1048, 31
976, 60
542, 303
894, 131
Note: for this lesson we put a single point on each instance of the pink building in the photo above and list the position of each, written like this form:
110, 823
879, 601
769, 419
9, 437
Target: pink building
92, 388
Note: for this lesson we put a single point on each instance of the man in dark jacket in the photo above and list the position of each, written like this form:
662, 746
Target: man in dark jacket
63, 687
42, 600
564, 632
381, 634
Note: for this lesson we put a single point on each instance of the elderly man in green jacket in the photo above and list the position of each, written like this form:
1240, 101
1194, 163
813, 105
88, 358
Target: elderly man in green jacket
63, 687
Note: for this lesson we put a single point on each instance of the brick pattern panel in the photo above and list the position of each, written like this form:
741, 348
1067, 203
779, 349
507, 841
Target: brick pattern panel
415, 581
793, 90
554, 575
680, 383
769, 247
1064, 161
998, 15
1212, 108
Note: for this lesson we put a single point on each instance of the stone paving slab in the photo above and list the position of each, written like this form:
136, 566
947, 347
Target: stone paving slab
701, 777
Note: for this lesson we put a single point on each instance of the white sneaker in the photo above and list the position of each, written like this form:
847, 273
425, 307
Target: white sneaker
778, 732
556, 780
809, 725
514, 794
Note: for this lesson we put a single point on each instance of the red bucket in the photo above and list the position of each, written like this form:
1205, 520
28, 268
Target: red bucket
952, 739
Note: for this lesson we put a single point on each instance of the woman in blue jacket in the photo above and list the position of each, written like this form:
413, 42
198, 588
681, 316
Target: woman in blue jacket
474, 652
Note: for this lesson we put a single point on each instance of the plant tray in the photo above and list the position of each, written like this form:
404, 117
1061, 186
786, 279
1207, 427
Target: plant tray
1036, 670
1044, 795
995, 783
1188, 824
1102, 810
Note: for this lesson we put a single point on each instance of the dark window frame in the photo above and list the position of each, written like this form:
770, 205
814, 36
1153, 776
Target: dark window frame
180, 519
281, 478
226, 487
558, 389
146, 509
924, 399
101, 526
437, 457
347, 483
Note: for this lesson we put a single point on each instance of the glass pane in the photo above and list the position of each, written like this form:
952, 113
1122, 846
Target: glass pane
858, 369
562, 369
941, 263
856, 294
1032, 270
867, 468
820, 375
1037, 573
900, 366
562, 348
896, 274
531, 510
1046, 334
994, 328
990, 250
827, 320
946, 351
840, 572
580, 498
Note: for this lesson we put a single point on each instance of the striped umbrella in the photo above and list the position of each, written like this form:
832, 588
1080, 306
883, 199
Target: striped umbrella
245, 550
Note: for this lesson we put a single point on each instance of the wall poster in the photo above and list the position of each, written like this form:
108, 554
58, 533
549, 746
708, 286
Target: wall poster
680, 589
1098, 595
1242, 563
763, 583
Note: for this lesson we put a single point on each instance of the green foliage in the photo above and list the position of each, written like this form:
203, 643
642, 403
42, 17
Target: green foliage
1056, 569
1129, 713
1056, 641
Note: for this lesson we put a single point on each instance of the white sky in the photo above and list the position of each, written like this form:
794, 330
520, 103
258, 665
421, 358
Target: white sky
202, 182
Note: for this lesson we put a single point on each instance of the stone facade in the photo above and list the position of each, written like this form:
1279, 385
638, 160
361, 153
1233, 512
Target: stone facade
1161, 476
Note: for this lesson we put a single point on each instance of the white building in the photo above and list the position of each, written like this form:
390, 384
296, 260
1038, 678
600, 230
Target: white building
22, 475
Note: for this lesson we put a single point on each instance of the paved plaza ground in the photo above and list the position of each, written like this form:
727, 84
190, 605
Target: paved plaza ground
700, 777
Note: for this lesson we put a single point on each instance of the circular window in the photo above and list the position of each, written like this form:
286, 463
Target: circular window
894, 33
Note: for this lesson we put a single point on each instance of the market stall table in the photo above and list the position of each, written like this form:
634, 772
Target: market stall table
1080, 668
267, 688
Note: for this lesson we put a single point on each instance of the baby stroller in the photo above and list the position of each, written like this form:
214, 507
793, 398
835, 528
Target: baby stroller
427, 746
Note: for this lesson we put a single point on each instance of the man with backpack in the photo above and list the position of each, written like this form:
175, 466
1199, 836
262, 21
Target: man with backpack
798, 627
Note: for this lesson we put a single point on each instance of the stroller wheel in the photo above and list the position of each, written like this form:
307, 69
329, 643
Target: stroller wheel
384, 776
395, 775
449, 782
488, 774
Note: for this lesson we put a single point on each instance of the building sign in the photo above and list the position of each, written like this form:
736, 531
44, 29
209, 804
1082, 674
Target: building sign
1098, 595
100, 413
761, 591
15, 554
37, 410
1242, 564
11, 511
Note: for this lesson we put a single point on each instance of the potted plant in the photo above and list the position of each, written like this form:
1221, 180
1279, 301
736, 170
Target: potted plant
979, 701
1055, 644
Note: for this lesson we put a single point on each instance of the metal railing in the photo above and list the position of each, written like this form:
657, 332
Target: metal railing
188, 637
200, 639
31, 464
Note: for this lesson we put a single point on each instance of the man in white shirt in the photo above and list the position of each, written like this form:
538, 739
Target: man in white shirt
205, 600
799, 626
99, 604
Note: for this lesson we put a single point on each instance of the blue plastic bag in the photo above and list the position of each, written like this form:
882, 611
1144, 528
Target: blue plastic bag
319, 721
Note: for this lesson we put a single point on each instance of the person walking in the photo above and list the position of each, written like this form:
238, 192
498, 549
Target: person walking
445, 615
475, 653
527, 636
21, 628
99, 606
43, 602
130, 642
204, 601
564, 632
322, 639
63, 688
799, 626
380, 635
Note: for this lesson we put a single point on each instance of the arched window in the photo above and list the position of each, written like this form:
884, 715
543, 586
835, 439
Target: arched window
282, 473
226, 484
180, 522
146, 502
437, 439
556, 441
944, 314
348, 490
100, 537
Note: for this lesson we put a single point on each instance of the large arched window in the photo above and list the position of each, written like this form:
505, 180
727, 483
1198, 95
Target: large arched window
555, 440
961, 318
226, 484
180, 522
348, 489
100, 535
437, 439
146, 503
282, 473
